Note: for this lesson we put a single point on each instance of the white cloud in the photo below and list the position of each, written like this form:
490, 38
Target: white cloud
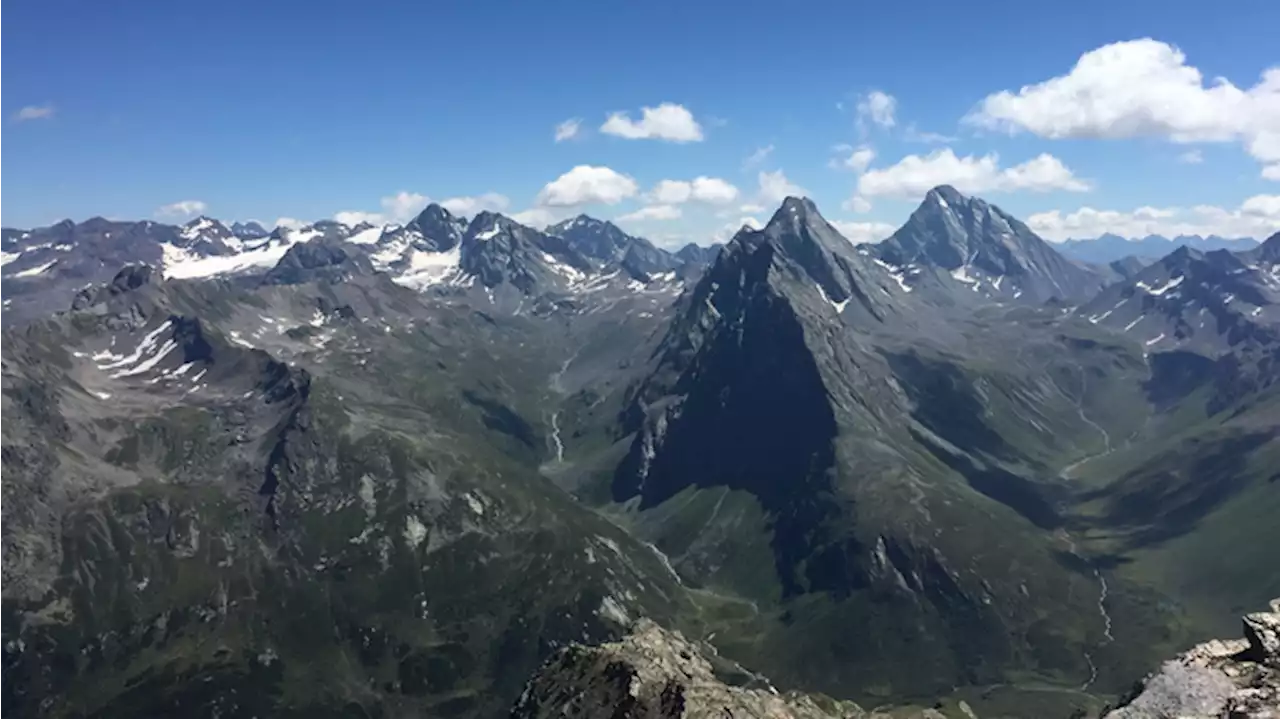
351, 218
403, 206
859, 158
184, 208
586, 184
912, 134
914, 175
858, 203
728, 230
1143, 88
711, 190
775, 187
862, 232
652, 212
33, 112
468, 205
568, 129
289, 222
759, 156
751, 209
878, 107
1257, 216
1191, 157
667, 121
538, 217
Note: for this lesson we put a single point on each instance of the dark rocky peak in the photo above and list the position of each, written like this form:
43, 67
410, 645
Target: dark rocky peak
439, 229
96, 224
318, 260
642, 260
1127, 267
697, 254
598, 239
985, 250
128, 279
249, 230
497, 249
1269, 250
813, 250
949, 231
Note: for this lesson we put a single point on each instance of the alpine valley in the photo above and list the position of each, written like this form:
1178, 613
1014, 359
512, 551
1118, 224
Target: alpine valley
389, 471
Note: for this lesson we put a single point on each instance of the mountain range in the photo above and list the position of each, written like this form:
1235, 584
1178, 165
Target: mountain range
359, 470
1108, 248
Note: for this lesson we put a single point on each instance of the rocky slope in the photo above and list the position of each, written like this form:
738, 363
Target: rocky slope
655, 673
1232, 679
790, 445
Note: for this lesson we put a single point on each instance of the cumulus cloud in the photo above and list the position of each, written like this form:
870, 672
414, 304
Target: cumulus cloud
539, 217
586, 184
729, 229
668, 121
858, 159
33, 112
469, 205
289, 222
862, 232
913, 134
652, 212
710, 190
878, 107
757, 157
351, 218
183, 208
1257, 216
775, 187
858, 203
914, 175
403, 206
1143, 88
1191, 157
568, 129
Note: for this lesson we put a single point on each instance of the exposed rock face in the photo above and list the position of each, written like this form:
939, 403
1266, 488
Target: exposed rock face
656, 674
1233, 679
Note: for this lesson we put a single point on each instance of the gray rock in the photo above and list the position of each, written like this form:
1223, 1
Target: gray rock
655, 674
1235, 679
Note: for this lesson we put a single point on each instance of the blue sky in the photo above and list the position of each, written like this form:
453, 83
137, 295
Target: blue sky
304, 110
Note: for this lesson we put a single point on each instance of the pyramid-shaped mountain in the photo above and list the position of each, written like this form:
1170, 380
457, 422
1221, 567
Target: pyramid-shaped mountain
973, 246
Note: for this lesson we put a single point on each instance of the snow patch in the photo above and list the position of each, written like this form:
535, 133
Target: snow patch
613, 610
181, 263
430, 268
489, 234
38, 270
894, 272
414, 531
366, 237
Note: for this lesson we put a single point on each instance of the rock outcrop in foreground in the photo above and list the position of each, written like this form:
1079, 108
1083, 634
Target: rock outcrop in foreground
654, 673
1233, 679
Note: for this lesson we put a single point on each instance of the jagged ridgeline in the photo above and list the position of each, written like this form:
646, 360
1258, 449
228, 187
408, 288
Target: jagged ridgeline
390, 471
